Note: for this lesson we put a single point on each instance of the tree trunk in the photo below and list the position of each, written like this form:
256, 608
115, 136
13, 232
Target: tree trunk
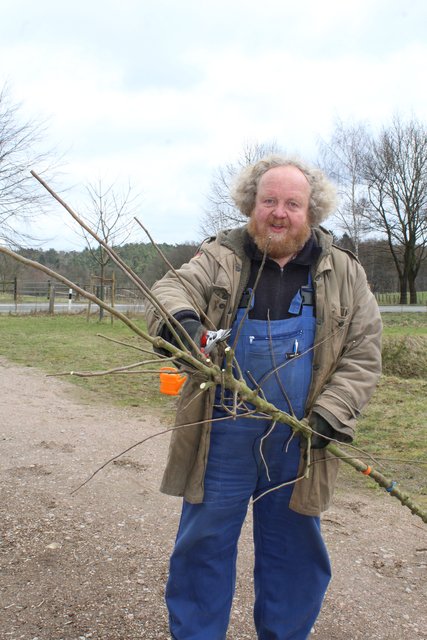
403, 287
412, 290
101, 292
413, 268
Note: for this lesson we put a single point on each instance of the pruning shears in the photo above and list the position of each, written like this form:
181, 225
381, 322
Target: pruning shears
211, 338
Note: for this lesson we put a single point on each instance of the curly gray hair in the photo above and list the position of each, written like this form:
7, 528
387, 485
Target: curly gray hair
322, 197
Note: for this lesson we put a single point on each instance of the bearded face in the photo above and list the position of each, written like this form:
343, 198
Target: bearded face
279, 244
279, 223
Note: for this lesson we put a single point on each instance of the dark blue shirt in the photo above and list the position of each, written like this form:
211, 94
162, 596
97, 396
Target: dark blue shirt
277, 285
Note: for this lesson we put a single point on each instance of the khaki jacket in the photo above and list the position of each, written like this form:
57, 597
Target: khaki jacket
346, 358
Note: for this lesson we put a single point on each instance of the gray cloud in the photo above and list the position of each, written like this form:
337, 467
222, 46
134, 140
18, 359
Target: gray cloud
166, 90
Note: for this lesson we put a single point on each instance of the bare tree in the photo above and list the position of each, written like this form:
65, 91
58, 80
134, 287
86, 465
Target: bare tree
110, 214
396, 177
221, 212
20, 144
342, 158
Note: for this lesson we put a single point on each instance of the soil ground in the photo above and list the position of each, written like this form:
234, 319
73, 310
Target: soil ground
93, 564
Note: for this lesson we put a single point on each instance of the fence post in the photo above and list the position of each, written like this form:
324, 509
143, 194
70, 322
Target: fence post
113, 294
52, 300
15, 293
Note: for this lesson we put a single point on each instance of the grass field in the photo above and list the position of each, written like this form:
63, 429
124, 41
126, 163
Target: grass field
392, 429
65, 343
409, 323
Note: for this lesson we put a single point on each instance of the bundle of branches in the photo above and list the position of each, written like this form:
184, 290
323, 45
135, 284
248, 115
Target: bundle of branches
247, 401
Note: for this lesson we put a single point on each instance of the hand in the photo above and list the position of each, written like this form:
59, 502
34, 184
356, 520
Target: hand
195, 330
322, 428
193, 327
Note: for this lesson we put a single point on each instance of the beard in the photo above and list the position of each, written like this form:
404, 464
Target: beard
281, 246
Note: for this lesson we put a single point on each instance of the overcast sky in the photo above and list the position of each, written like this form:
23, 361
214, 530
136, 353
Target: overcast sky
161, 92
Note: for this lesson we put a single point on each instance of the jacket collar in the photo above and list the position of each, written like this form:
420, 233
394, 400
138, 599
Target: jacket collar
234, 239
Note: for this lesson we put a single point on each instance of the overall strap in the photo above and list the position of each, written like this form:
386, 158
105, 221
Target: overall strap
303, 301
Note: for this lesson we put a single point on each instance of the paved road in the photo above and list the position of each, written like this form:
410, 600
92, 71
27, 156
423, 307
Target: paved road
78, 307
403, 308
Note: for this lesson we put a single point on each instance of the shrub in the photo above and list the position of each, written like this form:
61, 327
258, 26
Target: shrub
405, 356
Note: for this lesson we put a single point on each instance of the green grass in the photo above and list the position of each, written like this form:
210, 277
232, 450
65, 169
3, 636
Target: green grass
405, 323
394, 424
405, 344
393, 430
65, 343
394, 427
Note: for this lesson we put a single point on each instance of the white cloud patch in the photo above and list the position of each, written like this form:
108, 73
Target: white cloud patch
162, 92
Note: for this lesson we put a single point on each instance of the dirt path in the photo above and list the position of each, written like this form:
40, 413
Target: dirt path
93, 564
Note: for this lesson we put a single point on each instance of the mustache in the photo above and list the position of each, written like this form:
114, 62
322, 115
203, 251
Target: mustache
277, 222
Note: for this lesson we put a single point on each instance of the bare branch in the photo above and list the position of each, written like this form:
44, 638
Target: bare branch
20, 144
170, 321
197, 307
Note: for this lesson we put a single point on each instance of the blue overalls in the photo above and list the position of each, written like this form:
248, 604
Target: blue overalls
246, 457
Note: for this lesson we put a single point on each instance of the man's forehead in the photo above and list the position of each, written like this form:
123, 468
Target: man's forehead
287, 175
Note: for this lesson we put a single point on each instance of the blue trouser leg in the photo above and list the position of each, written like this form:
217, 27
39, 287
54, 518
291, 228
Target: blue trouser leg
202, 570
292, 570
201, 581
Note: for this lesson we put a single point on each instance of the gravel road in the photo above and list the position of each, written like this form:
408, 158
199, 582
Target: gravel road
93, 564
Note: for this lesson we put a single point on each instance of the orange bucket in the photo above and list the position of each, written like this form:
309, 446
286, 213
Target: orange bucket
171, 381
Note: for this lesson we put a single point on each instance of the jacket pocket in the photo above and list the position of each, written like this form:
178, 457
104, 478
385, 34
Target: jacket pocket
219, 304
313, 495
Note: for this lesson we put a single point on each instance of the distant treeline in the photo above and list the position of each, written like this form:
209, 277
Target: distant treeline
144, 259
81, 266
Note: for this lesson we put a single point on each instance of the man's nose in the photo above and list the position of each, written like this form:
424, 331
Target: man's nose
280, 211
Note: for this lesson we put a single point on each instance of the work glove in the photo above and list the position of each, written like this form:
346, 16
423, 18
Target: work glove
192, 325
322, 428
195, 330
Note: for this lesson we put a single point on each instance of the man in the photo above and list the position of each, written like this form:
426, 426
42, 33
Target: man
307, 335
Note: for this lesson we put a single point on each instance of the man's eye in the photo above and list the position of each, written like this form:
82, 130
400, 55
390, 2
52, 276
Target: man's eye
269, 201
